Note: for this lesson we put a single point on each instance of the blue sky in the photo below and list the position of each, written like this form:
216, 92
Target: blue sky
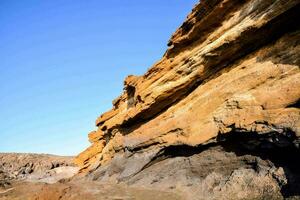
62, 62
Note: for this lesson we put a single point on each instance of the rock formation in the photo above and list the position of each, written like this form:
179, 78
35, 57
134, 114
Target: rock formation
217, 117
34, 167
214, 110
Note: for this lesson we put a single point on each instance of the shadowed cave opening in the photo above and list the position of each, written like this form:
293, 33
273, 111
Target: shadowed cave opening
281, 150
130, 90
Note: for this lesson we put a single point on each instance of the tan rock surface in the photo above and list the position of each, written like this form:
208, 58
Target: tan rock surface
232, 66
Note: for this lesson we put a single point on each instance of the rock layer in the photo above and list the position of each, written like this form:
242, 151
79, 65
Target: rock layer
232, 68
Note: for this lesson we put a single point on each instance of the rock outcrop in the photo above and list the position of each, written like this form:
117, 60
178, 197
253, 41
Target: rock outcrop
34, 168
230, 75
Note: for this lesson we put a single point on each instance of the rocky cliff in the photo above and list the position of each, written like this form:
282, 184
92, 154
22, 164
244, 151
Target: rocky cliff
218, 114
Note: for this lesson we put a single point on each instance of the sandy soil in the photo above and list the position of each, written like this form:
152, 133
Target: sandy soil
81, 190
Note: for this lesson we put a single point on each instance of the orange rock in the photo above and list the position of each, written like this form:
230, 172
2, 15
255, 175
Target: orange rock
87, 157
231, 66
95, 136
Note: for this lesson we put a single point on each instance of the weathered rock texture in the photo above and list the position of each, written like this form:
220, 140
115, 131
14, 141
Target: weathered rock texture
231, 70
34, 167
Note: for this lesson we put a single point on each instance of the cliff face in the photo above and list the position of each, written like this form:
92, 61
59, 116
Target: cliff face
231, 74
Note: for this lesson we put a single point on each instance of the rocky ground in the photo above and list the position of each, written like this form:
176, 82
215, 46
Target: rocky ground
81, 190
49, 177
28, 169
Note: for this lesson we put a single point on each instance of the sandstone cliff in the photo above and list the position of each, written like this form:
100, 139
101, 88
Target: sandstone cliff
224, 96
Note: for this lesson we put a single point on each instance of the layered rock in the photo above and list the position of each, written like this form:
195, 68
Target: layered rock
232, 68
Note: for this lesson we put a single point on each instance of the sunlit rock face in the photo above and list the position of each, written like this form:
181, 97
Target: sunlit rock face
228, 83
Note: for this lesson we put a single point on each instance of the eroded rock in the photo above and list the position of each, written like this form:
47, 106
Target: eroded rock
232, 68
35, 167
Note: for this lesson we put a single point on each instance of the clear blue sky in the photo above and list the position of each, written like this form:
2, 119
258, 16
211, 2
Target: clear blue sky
62, 62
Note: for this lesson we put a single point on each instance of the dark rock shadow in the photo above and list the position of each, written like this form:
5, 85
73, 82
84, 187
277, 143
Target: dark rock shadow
286, 156
278, 149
